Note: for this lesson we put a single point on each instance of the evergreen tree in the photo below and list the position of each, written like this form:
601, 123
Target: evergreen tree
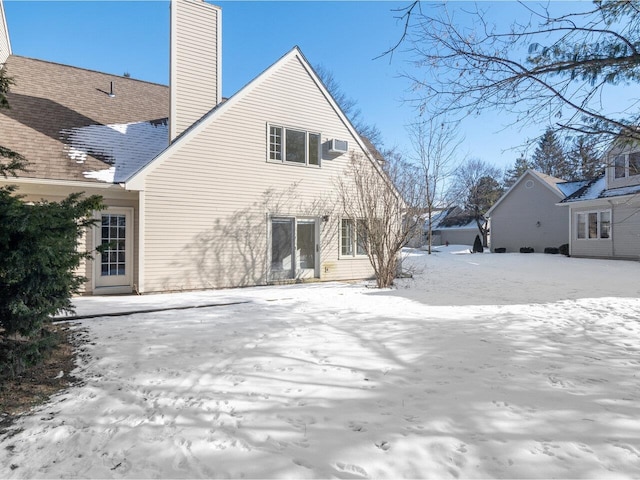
39, 251
520, 166
39, 256
585, 159
549, 157
477, 245
10, 161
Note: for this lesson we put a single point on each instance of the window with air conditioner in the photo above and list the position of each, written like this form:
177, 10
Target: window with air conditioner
293, 146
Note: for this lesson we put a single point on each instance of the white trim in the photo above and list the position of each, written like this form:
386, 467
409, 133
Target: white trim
59, 183
283, 145
219, 55
141, 241
129, 252
6, 29
173, 50
533, 174
355, 255
598, 236
136, 181
112, 290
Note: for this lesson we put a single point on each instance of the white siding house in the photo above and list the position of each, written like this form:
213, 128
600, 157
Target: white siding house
200, 192
605, 214
219, 202
5, 43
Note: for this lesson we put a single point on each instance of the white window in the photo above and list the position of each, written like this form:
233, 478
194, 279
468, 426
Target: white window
593, 225
353, 238
626, 165
289, 145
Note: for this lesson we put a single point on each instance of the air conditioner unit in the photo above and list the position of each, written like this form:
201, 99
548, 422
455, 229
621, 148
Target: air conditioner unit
338, 146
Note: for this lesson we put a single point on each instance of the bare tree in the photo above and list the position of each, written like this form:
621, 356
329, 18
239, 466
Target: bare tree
561, 67
477, 188
349, 107
382, 201
435, 147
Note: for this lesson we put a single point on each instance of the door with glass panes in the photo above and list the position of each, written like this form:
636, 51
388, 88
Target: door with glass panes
114, 232
294, 248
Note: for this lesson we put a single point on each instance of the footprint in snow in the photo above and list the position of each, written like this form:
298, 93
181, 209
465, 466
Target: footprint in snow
383, 445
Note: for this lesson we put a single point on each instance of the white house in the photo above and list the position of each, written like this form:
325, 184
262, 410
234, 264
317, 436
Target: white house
605, 213
201, 192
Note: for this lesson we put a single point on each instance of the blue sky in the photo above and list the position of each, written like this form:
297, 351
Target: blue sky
342, 36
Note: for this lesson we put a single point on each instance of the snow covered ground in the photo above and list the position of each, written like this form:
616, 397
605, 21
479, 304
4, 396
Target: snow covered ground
507, 366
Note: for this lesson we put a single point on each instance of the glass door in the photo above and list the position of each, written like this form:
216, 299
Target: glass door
113, 266
282, 252
306, 248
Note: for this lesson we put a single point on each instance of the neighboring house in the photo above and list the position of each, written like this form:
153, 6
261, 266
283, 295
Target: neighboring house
527, 214
200, 193
454, 226
605, 213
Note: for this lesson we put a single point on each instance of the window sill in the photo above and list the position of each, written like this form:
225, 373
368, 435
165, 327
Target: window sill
278, 162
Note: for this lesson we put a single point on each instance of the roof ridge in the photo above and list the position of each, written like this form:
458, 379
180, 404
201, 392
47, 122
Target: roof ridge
89, 70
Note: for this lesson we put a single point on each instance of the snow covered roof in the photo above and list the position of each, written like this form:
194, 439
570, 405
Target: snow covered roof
65, 123
569, 188
454, 218
597, 188
125, 148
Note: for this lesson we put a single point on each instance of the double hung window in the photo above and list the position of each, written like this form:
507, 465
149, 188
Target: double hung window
626, 165
289, 145
353, 238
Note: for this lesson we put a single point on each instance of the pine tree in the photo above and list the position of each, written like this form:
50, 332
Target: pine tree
512, 175
10, 161
477, 245
39, 252
586, 160
550, 158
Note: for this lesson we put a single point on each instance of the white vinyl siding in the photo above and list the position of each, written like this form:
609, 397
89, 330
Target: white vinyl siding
195, 63
217, 192
5, 43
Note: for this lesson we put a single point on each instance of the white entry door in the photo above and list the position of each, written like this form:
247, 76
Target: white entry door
113, 267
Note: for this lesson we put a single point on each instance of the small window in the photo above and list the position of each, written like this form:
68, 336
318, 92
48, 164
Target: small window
605, 224
346, 237
582, 225
593, 225
620, 167
634, 164
314, 149
288, 145
353, 238
275, 143
295, 146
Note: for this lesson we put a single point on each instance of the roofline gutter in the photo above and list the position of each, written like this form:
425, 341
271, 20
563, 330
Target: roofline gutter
60, 183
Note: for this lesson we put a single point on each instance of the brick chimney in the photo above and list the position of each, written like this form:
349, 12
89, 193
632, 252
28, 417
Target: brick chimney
195, 66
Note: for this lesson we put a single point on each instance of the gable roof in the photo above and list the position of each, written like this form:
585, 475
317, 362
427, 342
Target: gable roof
136, 180
560, 188
63, 121
454, 218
